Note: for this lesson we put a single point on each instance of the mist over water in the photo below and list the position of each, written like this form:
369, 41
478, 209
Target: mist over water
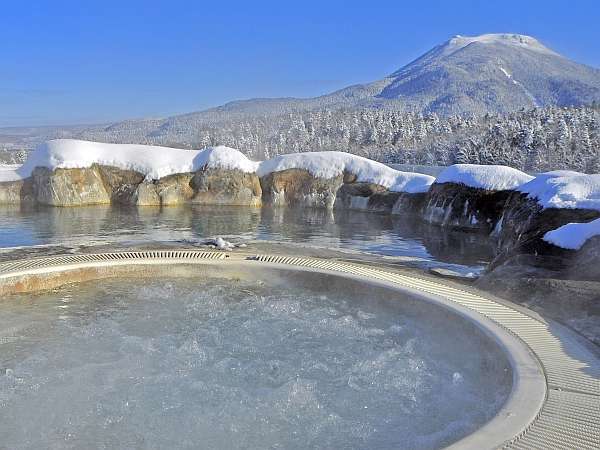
218, 364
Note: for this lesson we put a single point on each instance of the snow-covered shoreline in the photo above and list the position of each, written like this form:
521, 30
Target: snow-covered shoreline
156, 162
558, 189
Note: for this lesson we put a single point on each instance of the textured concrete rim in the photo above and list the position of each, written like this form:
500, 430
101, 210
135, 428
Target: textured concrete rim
555, 402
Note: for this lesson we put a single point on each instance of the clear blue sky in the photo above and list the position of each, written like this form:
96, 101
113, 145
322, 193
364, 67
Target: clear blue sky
67, 62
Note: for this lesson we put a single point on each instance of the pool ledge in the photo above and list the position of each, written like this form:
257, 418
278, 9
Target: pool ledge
555, 401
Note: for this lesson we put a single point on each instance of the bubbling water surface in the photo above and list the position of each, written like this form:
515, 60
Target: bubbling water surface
179, 363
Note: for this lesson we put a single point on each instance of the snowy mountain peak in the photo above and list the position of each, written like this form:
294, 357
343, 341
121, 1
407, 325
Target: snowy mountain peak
518, 40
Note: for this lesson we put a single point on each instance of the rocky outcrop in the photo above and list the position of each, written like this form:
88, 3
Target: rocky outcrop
458, 206
146, 194
585, 263
298, 187
357, 195
408, 204
226, 187
524, 223
98, 185
175, 189
70, 187
374, 197
121, 183
16, 192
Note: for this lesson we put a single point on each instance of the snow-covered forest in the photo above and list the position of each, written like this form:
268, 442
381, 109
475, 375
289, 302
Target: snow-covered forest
533, 140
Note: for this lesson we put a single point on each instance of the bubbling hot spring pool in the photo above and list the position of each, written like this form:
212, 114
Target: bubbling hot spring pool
271, 361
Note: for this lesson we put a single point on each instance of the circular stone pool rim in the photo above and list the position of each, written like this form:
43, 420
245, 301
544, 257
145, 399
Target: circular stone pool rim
555, 400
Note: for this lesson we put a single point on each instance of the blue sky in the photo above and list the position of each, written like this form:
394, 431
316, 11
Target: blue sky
67, 62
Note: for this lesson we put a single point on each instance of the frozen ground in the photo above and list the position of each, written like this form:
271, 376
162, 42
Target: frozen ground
163, 364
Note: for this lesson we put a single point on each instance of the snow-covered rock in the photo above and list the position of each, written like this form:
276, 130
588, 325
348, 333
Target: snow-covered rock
216, 175
471, 196
151, 161
156, 162
564, 189
487, 177
573, 236
457, 205
298, 187
328, 165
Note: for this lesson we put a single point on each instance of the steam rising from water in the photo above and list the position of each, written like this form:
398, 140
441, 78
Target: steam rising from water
214, 364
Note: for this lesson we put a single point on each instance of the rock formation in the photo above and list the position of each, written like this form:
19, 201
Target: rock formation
297, 187
226, 187
70, 187
458, 206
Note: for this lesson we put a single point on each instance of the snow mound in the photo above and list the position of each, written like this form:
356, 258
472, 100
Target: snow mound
572, 236
332, 164
565, 189
153, 161
491, 178
9, 172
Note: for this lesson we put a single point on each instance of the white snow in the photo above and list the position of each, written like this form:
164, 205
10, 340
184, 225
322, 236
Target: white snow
221, 244
332, 164
573, 235
508, 75
492, 177
8, 172
517, 40
523, 88
153, 161
565, 189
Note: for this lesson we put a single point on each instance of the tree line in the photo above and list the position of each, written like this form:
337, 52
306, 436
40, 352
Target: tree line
533, 140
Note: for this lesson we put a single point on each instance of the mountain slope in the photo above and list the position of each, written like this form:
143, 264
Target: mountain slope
488, 73
492, 73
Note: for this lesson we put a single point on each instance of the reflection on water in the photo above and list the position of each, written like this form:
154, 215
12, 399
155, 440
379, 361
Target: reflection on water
364, 231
